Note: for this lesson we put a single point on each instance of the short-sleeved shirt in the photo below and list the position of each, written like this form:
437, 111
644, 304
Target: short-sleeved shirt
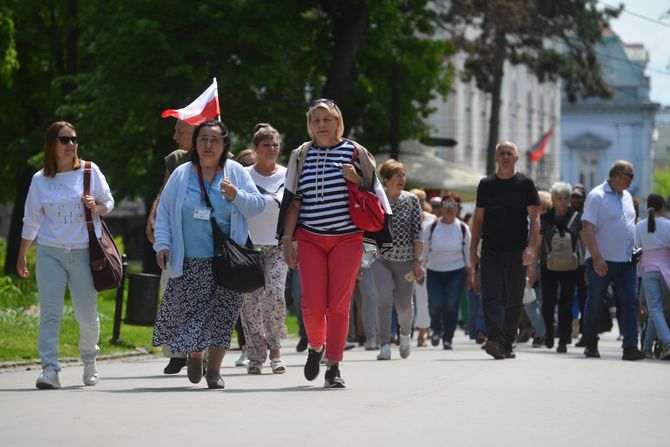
176, 158
505, 203
613, 215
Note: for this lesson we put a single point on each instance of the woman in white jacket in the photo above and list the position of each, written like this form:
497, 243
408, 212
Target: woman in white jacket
54, 215
195, 312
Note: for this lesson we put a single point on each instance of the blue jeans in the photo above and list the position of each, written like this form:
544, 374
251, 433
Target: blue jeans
444, 296
622, 275
56, 268
653, 289
475, 314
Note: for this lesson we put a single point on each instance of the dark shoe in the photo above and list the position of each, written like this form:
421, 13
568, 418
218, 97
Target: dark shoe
480, 338
494, 349
435, 339
447, 346
591, 349
581, 343
562, 349
549, 342
632, 354
333, 378
538, 342
510, 354
524, 336
215, 382
312, 364
194, 369
302, 344
175, 365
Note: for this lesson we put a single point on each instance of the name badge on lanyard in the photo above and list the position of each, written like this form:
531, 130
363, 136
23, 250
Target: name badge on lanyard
202, 213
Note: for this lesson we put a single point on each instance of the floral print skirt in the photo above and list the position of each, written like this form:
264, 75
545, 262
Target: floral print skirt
195, 312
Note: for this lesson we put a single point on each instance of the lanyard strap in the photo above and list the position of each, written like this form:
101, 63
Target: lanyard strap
204, 196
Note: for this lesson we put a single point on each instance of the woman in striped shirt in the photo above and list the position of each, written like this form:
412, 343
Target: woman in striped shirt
315, 212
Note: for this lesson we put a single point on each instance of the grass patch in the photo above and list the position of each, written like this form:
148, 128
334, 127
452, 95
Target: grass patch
19, 319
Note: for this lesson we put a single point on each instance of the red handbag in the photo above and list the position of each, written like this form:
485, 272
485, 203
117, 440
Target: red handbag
364, 208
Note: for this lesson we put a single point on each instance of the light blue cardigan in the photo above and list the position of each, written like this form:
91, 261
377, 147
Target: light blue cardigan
168, 231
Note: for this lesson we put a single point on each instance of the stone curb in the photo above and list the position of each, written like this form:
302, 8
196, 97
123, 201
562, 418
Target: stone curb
31, 364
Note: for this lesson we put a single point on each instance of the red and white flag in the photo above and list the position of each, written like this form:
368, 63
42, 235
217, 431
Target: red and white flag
537, 151
206, 107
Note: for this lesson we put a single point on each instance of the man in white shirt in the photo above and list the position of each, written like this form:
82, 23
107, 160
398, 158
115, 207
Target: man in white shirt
609, 235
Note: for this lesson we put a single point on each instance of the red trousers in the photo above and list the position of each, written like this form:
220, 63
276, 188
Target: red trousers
328, 268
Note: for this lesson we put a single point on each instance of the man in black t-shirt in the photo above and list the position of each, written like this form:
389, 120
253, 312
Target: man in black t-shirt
507, 213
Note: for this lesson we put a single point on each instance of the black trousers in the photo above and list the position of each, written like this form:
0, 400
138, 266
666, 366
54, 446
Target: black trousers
503, 281
550, 283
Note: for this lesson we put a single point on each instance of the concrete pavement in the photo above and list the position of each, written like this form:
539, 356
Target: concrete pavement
435, 397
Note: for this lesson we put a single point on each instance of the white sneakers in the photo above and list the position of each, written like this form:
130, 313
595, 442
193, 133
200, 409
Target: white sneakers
243, 360
404, 346
384, 352
48, 380
91, 375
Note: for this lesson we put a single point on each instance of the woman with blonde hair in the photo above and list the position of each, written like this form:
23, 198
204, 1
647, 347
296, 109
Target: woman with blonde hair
315, 212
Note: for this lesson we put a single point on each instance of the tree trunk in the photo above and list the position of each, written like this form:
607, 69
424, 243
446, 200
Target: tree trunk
396, 84
348, 33
16, 222
494, 121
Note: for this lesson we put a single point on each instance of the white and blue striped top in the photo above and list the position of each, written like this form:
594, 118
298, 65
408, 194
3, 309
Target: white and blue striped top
323, 190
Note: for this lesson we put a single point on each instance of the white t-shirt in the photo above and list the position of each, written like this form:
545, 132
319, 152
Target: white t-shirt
262, 228
54, 213
658, 239
444, 250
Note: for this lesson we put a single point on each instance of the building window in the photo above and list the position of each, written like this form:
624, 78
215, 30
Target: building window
588, 169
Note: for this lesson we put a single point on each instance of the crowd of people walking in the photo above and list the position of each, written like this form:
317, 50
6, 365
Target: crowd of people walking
525, 263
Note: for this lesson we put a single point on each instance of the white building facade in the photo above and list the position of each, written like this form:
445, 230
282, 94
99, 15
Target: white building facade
529, 109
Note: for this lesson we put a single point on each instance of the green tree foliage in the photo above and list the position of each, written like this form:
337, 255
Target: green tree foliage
662, 182
8, 60
553, 38
112, 67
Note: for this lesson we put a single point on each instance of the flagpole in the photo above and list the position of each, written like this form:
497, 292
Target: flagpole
218, 117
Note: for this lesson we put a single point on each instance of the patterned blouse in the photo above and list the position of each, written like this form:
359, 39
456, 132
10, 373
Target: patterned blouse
407, 228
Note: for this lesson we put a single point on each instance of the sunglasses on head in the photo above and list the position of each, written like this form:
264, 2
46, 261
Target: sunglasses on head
66, 140
326, 101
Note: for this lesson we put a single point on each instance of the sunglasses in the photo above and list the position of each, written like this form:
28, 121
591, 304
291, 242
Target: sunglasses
628, 174
449, 204
326, 101
66, 140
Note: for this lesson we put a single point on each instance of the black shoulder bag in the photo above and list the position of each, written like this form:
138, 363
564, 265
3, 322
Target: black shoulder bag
236, 268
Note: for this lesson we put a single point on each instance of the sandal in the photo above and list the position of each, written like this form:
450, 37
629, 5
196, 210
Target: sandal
254, 368
278, 366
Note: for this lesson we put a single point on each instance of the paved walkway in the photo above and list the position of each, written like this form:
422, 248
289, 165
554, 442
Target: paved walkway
446, 398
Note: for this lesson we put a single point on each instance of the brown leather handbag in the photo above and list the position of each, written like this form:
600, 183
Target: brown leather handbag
106, 266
